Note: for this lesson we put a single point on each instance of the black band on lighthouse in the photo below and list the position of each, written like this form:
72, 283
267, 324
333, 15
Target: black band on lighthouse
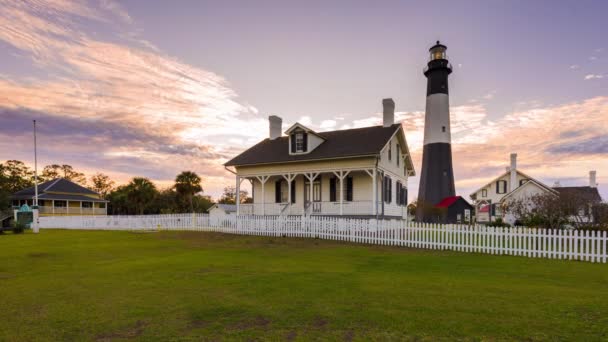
437, 76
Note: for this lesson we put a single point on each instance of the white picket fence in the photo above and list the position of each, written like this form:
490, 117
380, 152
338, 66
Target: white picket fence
529, 242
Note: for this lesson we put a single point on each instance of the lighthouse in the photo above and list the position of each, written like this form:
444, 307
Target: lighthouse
437, 175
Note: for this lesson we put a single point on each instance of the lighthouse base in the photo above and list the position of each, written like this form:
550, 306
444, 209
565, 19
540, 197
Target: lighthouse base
436, 179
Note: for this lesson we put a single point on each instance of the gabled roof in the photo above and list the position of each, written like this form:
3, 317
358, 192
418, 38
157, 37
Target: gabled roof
530, 181
505, 174
586, 192
57, 185
448, 201
302, 127
356, 142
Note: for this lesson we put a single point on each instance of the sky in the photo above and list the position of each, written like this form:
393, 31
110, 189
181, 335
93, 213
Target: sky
152, 88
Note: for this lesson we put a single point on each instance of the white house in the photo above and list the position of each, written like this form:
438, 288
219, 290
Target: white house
513, 184
359, 172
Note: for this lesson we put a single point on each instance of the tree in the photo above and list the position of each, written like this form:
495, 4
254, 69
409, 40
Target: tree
15, 176
549, 210
102, 184
187, 184
54, 171
141, 192
229, 196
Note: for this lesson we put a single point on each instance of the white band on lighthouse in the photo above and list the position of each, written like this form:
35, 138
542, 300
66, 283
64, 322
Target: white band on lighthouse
437, 119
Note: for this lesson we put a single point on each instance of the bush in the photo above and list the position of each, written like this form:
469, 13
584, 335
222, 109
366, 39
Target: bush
18, 227
499, 223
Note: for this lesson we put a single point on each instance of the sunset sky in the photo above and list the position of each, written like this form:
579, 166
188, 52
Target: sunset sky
151, 88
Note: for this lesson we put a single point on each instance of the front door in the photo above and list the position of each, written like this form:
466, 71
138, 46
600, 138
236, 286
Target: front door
316, 196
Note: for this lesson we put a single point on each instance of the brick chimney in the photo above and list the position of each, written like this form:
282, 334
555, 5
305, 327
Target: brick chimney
275, 125
513, 180
388, 112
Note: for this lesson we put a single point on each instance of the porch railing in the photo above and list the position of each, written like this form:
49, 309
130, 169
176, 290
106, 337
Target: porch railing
46, 210
350, 208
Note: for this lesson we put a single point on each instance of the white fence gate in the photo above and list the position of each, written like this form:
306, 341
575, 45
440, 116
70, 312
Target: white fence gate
529, 242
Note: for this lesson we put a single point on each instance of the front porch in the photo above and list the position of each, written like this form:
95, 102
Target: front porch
65, 207
340, 192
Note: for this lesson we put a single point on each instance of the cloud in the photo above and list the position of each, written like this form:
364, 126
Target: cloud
328, 124
575, 66
593, 76
116, 100
556, 142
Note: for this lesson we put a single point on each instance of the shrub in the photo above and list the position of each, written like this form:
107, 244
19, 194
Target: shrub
18, 227
499, 223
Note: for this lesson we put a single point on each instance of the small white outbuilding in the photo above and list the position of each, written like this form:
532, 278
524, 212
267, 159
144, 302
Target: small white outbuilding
221, 211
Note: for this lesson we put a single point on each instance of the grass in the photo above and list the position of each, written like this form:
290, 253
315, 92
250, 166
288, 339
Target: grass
102, 286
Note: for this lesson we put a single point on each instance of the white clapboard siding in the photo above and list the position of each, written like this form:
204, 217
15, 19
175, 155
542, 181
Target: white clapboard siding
519, 241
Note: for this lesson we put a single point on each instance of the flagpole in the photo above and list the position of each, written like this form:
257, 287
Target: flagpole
35, 169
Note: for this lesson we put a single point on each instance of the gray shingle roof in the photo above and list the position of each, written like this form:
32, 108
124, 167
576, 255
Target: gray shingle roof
229, 208
587, 192
57, 185
344, 143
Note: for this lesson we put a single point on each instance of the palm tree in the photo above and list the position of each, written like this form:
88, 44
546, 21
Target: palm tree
187, 184
141, 191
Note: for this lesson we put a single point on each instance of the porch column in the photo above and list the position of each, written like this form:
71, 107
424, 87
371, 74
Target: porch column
80, 207
375, 192
289, 177
262, 180
311, 177
373, 173
341, 175
53, 204
238, 195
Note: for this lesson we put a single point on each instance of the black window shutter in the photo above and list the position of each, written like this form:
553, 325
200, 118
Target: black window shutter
384, 189
304, 142
332, 189
404, 196
390, 190
399, 189
277, 191
498, 187
293, 191
397, 192
349, 189
292, 137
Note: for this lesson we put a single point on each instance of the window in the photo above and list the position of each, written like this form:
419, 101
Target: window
390, 152
388, 189
484, 193
299, 142
501, 187
522, 181
61, 204
443, 129
397, 154
280, 191
349, 189
293, 191
87, 204
398, 191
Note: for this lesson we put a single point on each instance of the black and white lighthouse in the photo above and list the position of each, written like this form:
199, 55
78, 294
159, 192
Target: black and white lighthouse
437, 175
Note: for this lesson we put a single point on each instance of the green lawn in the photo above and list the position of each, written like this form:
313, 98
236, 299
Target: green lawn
89, 285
